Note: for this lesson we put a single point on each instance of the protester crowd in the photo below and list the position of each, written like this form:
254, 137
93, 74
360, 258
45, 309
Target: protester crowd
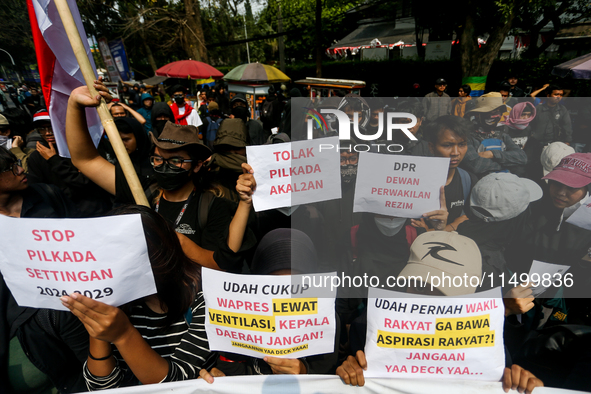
519, 168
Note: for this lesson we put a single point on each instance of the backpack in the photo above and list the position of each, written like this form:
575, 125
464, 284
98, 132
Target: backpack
466, 185
212, 128
267, 114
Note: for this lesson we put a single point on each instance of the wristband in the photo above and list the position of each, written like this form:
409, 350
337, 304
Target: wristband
99, 358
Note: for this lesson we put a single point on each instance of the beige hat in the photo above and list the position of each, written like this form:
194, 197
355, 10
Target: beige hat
487, 102
175, 136
438, 253
3, 121
553, 153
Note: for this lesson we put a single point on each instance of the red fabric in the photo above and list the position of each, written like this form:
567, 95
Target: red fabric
189, 69
45, 57
181, 119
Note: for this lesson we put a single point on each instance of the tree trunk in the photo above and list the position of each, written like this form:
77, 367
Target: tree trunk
194, 38
149, 54
318, 38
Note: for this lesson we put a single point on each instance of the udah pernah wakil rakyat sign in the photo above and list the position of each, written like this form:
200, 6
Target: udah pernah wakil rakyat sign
398, 185
295, 173
105, 259
260, 316
458, 338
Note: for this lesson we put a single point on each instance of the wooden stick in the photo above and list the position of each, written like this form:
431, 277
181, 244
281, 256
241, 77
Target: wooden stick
103, 110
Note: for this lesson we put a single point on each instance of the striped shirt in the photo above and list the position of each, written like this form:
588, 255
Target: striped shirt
183, 345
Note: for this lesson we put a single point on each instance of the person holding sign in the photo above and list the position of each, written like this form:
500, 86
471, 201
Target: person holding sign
381, 243
200, 218
447, 136
432, 255
58, 356
282, 251
158, 338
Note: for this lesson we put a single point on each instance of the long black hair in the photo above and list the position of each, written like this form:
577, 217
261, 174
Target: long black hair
177, 276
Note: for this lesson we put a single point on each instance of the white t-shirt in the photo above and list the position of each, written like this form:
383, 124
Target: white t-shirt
193, 119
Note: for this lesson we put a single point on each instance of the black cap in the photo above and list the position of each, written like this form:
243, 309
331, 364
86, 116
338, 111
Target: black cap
239, 97
284, 248
441, 81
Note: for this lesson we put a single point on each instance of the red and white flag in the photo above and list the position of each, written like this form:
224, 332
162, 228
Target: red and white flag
58, 67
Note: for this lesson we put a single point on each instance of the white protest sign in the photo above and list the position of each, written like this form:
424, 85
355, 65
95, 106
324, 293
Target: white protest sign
546, 275
104, 258
582, 216
417, 336
258, 316
396, 185
295, 173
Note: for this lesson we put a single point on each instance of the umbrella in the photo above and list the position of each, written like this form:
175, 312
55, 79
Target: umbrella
579, 67
191, 69
256, 73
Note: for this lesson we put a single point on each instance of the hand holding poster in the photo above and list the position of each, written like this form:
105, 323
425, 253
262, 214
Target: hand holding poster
295, 173
410, 335
582, 216
402, 186
258, 316
544, 276
99, 257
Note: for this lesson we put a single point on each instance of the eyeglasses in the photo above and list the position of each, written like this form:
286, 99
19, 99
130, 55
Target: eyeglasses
350, 160
45, 130
16, 168
174, 162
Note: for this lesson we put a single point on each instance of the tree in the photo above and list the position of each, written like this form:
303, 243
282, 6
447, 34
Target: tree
539, 14
481, 17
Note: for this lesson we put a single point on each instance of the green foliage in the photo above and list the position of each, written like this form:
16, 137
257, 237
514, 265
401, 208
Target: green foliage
299, 16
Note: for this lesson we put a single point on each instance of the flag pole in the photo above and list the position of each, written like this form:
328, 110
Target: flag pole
103, 111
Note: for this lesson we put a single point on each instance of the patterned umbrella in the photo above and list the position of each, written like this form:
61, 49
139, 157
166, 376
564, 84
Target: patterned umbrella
579, 68
256, 73
191, 69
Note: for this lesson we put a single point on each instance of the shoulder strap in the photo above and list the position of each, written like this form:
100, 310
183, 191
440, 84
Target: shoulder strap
466, 183
411, 234
205, 201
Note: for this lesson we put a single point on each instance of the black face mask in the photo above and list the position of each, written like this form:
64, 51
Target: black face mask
179, 100
170, 178
158, 126
348, 173
240, 112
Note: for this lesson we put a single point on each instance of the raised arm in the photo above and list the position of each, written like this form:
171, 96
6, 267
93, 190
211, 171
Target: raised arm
245, 186
82, 150
134, 113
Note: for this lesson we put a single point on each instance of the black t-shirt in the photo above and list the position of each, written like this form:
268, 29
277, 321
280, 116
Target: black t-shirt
454, 195
215, 233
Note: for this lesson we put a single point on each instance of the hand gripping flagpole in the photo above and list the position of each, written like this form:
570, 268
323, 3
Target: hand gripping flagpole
103, 110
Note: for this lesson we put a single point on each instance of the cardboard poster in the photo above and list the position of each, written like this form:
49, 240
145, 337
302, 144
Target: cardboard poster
397, 185
582, 216
413, 336
545, 276
295, 173
103, 258
266, 315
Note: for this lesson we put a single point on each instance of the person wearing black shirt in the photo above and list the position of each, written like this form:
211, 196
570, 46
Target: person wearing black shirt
177, 159
447, 137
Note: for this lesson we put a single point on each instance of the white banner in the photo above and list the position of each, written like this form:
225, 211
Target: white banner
103, 258
325, 384
295, 173
266, 315
396, 185
409, 335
